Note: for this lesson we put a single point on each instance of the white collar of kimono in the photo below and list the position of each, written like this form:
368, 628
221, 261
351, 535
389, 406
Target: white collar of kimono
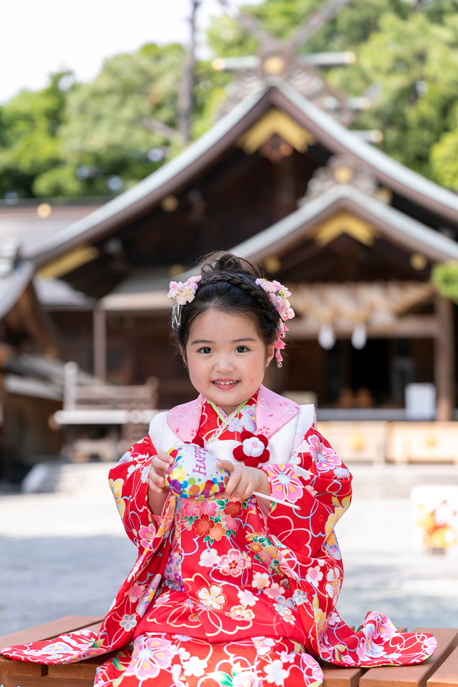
272, 412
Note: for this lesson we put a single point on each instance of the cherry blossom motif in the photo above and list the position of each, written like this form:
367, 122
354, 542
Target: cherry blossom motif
324, 456
191, 508
314, 576
136, 592
231, 524
283, 607
209, 558
162, 599
263, 644
212, 597
208, 508
217, 532
241, 613
203, 525
246, 597
233, 508
274, 591
150, 655
177, 674
260, 580
333, 586
284, 483
234, 562
275, 673
253, 449
185, 292
195, 666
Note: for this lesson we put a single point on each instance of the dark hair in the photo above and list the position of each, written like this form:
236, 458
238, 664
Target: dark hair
229, 284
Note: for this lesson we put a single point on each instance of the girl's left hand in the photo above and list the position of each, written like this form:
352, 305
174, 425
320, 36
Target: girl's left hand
243, 481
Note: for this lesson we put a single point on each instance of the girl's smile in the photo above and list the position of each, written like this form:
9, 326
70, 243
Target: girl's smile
226, 358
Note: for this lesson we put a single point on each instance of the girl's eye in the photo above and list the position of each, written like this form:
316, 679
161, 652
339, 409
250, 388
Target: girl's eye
205, 349
242, 349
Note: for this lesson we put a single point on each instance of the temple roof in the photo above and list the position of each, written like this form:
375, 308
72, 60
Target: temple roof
394, 225
198, 157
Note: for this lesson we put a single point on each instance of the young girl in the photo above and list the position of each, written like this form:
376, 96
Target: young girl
239, 589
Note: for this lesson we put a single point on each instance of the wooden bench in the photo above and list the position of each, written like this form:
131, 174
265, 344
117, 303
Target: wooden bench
441, 670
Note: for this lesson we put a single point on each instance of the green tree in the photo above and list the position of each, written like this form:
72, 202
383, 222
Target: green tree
29, 143
414, 62
445, 278
103, 138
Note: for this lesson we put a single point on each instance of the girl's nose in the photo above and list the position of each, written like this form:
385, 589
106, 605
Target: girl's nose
223, 363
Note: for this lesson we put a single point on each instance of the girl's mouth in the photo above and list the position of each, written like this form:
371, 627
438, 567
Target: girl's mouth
225, 383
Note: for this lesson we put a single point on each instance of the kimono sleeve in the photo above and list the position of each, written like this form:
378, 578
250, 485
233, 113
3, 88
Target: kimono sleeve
319, 485
128, 481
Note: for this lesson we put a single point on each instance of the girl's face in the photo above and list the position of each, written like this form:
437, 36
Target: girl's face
226, 358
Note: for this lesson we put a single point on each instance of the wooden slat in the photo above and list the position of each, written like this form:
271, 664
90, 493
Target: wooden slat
20, 668
69, 623
413, 676
84, 670
335, 676
38, 633
447, 674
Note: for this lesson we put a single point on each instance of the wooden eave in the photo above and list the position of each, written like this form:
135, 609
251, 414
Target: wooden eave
398, 228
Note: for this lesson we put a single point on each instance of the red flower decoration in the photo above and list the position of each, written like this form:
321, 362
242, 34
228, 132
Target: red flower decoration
233, 508
203, 525
253, 449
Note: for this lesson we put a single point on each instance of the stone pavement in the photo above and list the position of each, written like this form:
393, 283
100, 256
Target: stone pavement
67, 553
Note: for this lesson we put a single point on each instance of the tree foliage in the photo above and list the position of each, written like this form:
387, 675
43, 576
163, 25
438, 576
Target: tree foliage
445, 278
91, 139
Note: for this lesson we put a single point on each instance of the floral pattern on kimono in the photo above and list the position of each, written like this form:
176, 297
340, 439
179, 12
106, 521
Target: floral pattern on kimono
221, 588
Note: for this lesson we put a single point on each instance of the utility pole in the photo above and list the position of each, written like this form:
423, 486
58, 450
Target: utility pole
187, 84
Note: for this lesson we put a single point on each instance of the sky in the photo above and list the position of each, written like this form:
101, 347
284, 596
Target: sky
38, 37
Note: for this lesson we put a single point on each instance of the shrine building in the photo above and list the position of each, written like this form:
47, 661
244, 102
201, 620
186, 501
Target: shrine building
278, 180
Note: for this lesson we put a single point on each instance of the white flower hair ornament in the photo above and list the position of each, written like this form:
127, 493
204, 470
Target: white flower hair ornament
278, 294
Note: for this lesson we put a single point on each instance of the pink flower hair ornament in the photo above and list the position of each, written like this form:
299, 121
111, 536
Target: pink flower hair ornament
185, 292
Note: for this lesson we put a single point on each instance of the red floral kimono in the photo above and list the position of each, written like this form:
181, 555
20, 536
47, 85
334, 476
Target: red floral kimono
228, 592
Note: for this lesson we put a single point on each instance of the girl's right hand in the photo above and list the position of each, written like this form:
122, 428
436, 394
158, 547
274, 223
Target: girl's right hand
159, 466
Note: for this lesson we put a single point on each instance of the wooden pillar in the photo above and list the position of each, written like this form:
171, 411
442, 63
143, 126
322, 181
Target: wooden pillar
444, 372
100, 343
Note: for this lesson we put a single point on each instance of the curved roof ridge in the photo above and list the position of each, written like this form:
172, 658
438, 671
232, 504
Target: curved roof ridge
368, 153
444, 247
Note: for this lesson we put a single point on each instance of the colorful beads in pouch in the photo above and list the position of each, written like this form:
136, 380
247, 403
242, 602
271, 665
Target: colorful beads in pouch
195, 473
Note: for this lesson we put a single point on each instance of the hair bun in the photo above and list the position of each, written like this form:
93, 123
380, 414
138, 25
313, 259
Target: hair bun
228, 263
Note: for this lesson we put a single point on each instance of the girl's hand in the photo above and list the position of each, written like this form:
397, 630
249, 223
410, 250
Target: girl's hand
243, 481
159, 466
